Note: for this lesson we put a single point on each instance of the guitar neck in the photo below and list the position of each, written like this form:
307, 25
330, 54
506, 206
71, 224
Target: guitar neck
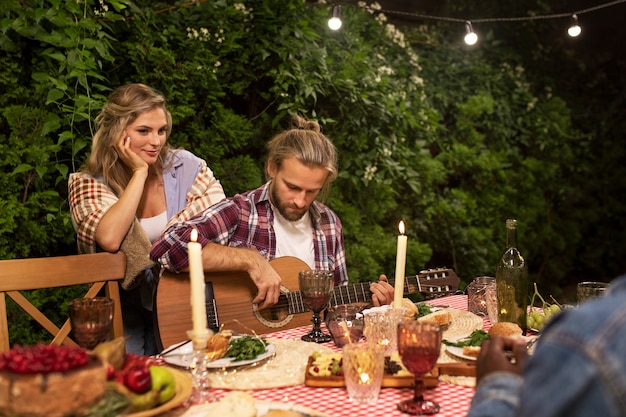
428, 283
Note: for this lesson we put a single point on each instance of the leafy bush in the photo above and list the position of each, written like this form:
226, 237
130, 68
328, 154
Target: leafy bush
451, 141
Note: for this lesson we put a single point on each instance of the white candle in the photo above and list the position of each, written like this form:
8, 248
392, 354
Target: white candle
398, 292
196, 276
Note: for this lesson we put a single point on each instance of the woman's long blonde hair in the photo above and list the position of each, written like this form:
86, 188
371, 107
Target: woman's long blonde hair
124, 105
305, 142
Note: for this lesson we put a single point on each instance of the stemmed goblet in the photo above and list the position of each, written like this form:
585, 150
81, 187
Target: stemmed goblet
419, 345
316, 287
91, 320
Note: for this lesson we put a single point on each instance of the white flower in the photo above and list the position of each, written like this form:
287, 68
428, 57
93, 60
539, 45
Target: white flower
369, 172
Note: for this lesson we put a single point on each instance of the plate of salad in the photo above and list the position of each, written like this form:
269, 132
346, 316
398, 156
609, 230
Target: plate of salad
242, 350
466, 347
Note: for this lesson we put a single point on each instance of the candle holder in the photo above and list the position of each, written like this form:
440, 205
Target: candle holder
198, 368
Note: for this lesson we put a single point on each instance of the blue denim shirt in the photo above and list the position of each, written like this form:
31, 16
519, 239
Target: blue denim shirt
578, 369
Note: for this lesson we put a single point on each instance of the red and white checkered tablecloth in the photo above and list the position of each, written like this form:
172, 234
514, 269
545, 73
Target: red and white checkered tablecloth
454, 400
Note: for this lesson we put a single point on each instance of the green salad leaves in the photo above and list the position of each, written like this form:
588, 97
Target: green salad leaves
245, 348
475, 339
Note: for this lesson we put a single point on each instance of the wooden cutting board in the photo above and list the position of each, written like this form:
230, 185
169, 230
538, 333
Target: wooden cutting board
389, 381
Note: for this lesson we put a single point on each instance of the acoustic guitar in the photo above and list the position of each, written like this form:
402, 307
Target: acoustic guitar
229, 298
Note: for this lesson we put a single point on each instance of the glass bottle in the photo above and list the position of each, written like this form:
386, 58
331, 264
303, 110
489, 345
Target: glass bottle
512, 280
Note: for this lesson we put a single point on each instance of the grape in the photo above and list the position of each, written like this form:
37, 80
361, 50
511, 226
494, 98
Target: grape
541, 316
555, 308
537, 317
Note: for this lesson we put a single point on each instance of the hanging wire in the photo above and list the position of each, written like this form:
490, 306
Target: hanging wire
498, 19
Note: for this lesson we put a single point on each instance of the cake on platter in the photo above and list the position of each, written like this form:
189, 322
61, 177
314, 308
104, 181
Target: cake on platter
50, 380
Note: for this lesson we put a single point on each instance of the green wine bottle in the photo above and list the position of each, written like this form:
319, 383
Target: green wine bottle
512, 281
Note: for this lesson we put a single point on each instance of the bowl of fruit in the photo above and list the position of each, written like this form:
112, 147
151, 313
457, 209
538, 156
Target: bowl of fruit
139, 386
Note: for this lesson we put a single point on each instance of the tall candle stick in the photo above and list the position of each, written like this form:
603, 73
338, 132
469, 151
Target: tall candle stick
196, 276
398, 292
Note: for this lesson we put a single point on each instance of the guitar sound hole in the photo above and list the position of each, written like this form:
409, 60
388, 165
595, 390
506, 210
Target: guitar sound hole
276, 316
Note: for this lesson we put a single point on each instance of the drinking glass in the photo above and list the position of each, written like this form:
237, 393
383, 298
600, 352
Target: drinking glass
91, 320
588, 290
419, 345
381, 328
316, 287
363, 369
345, 323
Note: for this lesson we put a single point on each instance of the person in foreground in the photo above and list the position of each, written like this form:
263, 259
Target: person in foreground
131, 187
578, 368
281, 218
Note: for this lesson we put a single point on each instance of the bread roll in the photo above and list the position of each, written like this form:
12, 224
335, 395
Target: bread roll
505, 329
217, 345
411, 309
235, 404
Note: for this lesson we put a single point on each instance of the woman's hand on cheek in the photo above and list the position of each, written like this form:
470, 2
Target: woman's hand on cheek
127, 155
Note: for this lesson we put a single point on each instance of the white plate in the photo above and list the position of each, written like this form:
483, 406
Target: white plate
261, 406
458, 351
181, 357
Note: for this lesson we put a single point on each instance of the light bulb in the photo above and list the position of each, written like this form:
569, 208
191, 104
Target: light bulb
470, 37
574, 30
335, 21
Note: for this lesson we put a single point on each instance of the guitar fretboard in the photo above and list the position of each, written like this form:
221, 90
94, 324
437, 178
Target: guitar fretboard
293, 303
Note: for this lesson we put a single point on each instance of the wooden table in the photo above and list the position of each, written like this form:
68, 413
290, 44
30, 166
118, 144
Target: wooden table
453, 399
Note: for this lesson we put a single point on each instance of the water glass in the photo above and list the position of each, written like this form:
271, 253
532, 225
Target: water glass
91, 320
345, 323
381, 328
363, 368
588, 290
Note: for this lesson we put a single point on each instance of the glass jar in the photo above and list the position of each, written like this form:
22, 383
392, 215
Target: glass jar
476, 295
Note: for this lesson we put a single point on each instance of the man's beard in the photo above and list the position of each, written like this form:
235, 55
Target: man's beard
282, 208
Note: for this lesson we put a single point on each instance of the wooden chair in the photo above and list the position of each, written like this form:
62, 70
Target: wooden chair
99, 269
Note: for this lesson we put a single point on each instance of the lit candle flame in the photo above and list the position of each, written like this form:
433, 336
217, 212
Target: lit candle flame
401, 227
365, 378
194, 235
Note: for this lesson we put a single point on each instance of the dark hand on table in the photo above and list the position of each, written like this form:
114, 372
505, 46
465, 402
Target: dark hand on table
495, 355
382, 292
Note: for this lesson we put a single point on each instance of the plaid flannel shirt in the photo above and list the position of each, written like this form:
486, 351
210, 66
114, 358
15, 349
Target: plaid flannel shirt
190, 188
246, 220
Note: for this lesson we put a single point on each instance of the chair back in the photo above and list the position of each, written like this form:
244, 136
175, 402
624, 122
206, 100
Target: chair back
101, 270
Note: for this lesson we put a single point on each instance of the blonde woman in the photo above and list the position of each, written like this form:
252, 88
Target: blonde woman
131, 188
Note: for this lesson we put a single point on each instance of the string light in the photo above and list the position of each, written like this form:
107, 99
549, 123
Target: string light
574, 30
335, 21
470, 37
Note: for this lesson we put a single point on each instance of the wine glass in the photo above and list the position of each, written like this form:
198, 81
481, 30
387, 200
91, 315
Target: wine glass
91, 320
316, 288
419, 345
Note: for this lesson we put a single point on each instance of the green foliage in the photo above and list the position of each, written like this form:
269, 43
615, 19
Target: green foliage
449, 139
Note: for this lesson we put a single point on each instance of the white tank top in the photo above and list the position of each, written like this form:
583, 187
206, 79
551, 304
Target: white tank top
154, 226
294, 238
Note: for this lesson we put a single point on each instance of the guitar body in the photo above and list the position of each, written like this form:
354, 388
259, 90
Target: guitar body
233, 294
229, 298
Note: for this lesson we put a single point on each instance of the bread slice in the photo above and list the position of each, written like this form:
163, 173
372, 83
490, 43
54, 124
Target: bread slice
235, 404
441, 317
472, 351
